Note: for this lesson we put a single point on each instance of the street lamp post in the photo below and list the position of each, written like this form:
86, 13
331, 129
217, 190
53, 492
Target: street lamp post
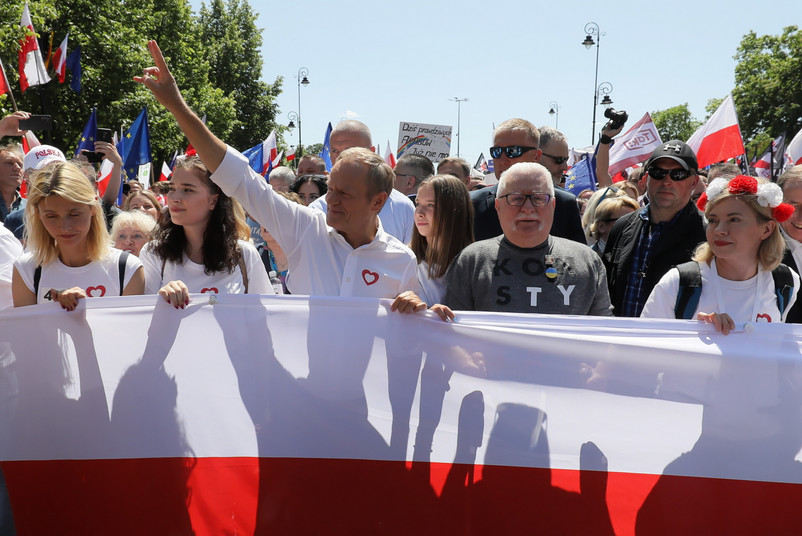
592, 29
302, 79
293, 117
459, 103
554, 109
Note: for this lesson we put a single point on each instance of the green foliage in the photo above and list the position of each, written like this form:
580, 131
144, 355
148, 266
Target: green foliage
675, 123
768, 83
712, 106
113, 35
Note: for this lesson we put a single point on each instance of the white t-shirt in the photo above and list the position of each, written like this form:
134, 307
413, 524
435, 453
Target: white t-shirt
321, 261
432, 290
397, 215
753, 300
98, 278
197, 281
10, 250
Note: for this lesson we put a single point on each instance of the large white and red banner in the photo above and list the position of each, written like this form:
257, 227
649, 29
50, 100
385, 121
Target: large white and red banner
294, 415
635, 145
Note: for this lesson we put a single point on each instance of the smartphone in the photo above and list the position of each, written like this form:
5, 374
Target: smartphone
103, 134
36, 122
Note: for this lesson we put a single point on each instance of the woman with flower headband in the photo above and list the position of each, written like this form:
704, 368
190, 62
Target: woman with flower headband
740, 262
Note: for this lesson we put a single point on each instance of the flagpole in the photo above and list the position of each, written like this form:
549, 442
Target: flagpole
8, 86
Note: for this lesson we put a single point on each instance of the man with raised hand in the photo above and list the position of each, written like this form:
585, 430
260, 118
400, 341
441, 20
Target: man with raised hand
398, 213
343, 253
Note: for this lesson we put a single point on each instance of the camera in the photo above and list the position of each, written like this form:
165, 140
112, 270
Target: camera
617, 119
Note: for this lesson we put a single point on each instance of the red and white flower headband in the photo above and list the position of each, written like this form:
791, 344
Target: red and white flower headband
768, 194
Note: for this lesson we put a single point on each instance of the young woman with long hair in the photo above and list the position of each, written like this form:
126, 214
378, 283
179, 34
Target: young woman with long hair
196, 246
69, 250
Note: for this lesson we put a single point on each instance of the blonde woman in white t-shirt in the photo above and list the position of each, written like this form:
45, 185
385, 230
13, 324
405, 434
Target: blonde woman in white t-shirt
196, 249
69, 254
743, 247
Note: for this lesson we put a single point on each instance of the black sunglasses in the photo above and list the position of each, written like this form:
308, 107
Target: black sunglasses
676, 175
512, 151
559, 160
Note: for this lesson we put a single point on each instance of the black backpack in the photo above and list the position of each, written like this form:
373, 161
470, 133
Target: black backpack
690, 288
121, 262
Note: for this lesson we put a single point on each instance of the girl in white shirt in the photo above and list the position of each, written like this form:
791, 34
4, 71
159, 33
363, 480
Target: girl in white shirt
196, 247
70, 255
743, 246
443, 227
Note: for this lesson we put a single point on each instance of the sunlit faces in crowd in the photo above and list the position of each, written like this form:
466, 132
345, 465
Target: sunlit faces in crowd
143, 201
424, 210
525, 204
507, 136
734, 230
345, 135
791, 183
10, 170
190, 200
668, 196
131, 230
554, 157
309, 187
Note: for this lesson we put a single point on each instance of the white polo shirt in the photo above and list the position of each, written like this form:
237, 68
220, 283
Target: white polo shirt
321, 262
397, 215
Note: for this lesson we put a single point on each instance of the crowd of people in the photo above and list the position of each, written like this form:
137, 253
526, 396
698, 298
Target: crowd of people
671, 241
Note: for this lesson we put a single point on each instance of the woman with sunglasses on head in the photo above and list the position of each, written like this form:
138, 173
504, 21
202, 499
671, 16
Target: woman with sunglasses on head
196, 248
69, 251
738, 267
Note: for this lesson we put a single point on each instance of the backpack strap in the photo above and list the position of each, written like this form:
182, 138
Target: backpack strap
121, 263
243, 270
37, 275
690, 290
783, 286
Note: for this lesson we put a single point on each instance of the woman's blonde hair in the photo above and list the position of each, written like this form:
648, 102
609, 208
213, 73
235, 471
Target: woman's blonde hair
607, 208
139, 220
771, 249
67, 181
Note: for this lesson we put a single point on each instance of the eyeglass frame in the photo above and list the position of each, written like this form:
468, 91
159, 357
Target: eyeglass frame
559, 160
497, 150
670, 173
529, 197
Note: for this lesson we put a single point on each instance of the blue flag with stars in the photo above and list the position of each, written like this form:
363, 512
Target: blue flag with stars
325, 154
582, 175
74, 65
87, 141
135, 146
255, 156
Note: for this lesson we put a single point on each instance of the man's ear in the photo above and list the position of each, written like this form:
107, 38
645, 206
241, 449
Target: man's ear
378, 201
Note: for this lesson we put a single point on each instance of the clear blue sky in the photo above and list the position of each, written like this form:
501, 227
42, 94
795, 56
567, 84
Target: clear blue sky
383, 63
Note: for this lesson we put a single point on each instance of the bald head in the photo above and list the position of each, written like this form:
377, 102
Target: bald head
347, 134
528, 172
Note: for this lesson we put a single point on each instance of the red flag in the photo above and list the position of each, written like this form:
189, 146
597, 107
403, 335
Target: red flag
103, 176
166, 172
793, 151
59, 60
720, 137
32, 71
5, 87
291, 155
389, 157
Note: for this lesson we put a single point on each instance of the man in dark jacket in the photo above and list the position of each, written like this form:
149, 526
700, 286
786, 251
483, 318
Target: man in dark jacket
791, 184
647, 243
518, 140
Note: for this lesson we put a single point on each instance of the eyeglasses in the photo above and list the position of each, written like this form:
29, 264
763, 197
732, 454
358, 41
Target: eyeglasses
512, 151
676, 174
518, 200
559, 160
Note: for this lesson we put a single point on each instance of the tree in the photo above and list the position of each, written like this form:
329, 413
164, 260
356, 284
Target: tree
768, 83
232, 50
675, 123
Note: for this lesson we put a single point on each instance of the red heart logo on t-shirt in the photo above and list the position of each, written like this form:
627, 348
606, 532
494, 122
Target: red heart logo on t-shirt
212, 289
767, 318
369, 277
96, 292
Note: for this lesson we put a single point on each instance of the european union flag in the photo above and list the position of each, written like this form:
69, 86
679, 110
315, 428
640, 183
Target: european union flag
255, 156
135, 146
87, 141
582, 175
325, 154
74, 65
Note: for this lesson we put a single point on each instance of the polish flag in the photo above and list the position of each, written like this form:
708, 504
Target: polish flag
763, 167
5, 87
388, 156
381, 423
59, 60
269, 152
277, 160
32, 70
166, 172
635, 146
291, 155
793, 150
719, 138
103, 176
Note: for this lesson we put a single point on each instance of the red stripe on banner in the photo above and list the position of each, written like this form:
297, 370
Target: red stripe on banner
720, 145
318, 496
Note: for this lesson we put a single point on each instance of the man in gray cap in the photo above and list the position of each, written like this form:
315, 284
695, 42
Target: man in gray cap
647, 243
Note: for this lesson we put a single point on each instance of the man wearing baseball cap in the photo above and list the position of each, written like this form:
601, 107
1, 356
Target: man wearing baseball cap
645, 244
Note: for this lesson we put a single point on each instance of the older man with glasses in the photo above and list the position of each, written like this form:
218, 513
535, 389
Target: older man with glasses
526, 269
514, 141
645, 244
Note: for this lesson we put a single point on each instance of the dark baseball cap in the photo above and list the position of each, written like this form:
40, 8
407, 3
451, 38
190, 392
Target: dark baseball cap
676, 150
